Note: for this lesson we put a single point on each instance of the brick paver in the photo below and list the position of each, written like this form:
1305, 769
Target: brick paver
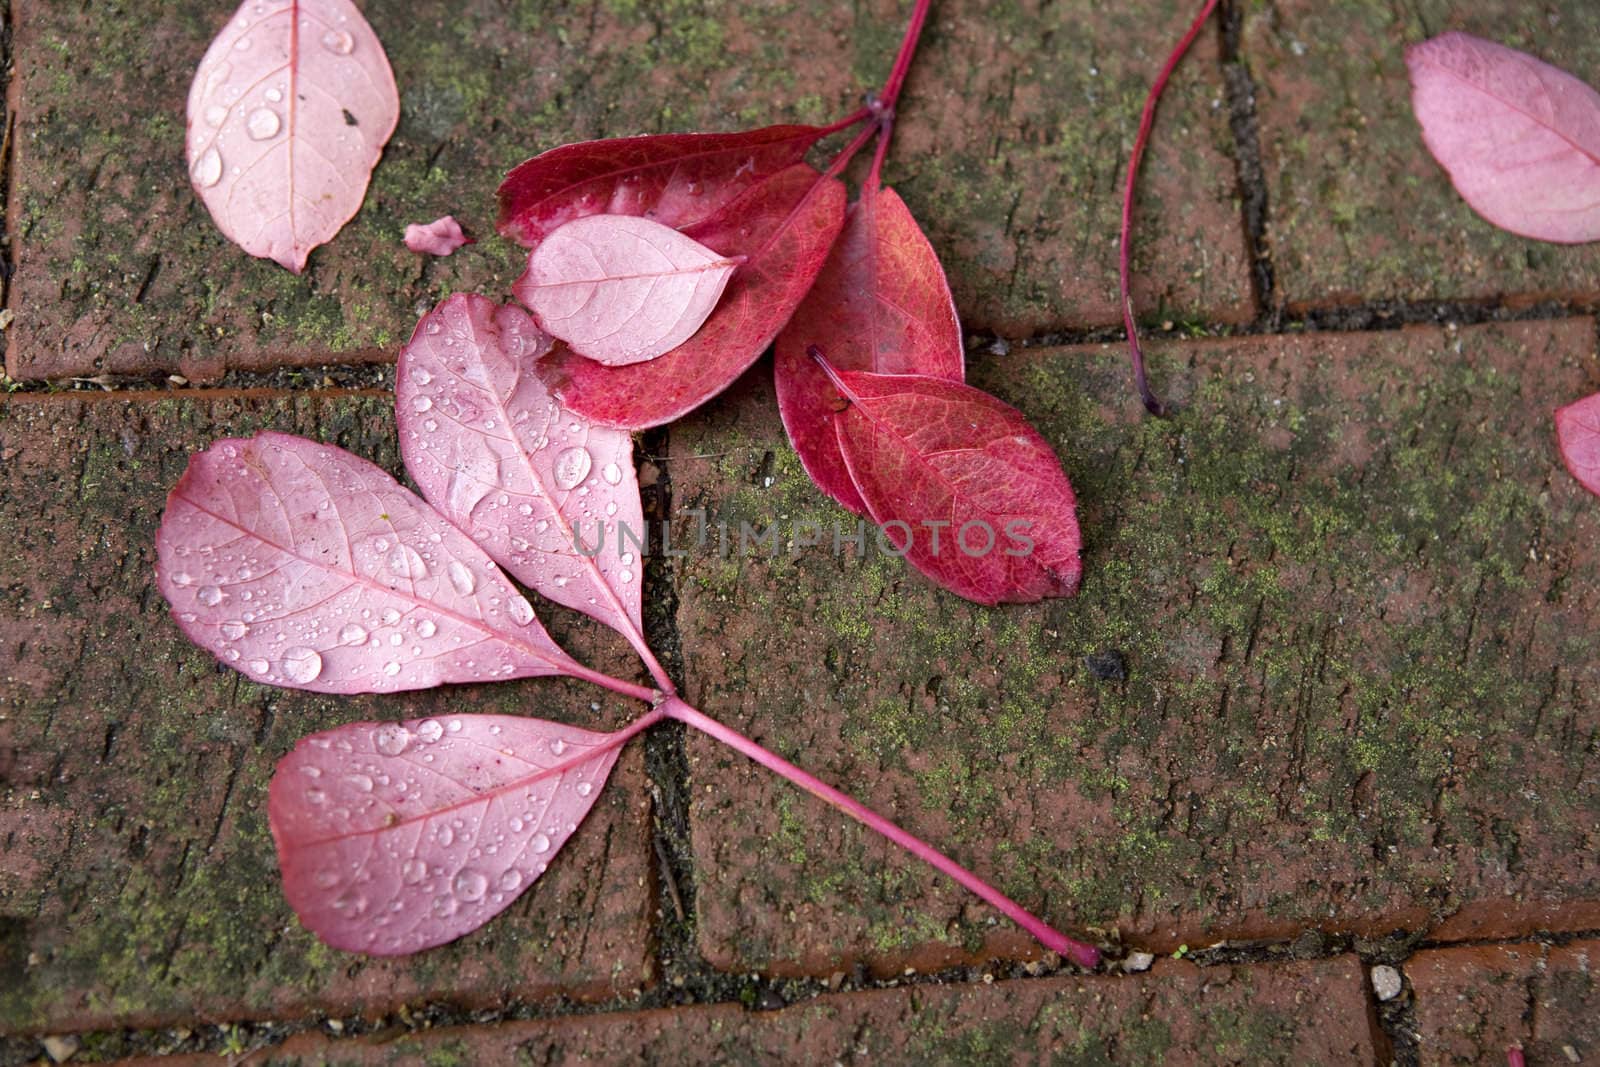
1359, 210
1474, 1003
1352, 586
138, 882
1015, 129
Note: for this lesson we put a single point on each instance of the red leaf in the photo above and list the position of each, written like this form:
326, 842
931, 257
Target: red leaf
493, 451
1578, 432
440, 237
676, 179
784, 227
305, 566
881, 304
288, 114
925, 451
395, 837
1519, 138
622, 290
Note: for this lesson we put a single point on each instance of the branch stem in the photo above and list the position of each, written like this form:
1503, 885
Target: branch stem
1083, 955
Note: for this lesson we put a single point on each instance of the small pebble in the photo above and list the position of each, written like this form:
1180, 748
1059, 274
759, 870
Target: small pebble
1386, 982
61, 1049
1138, 961
1108, 665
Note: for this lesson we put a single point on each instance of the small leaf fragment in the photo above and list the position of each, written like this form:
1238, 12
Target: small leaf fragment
440, 237
272, 148
1519, 138
620, 289
396, 837
1578, 433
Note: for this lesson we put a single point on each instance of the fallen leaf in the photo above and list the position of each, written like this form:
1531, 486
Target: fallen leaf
1519, 138
621, 290
395, 837
676, 179
962, 485
527, 480
1578, 433
288, 114
784, 228
437, 238
302, 565
881, 304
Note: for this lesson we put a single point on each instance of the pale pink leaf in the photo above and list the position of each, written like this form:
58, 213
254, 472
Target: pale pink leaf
395, 837
550, 495
288, 114
620, 289
437, 238
1578, 432
1519, 138
305, 566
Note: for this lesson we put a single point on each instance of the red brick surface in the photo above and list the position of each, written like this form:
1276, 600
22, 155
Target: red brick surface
138, 883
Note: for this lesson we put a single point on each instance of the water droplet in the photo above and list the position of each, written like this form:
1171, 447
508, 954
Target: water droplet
326, 879
611, 473
434, 327
315, 796
391, 738
584, 789
446, 836
469, 884
209, 595
572, 467
274, 95
413, 871
625, 577
430, 730
353, 634
419, 404
540, 843
510, 881
521, 611
391, 669
259, 666
558, 746
233, 629
338, 42
351, 903
390, 616
407, 563
263, 124
216, 114
461, 578
208, 168
301, 664
427, 628
361, 782
242, 44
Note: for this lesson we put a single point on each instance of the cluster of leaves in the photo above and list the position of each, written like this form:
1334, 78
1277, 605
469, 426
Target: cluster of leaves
660, 269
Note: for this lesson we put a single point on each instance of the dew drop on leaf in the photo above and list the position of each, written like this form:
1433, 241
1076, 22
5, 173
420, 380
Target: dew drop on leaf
338, 42
461, 578
572, 467
611, 473
301, 664
413, 871
540, 843
233, 629
470, 884
263, 124
209, 595
429, 730
353, 634
391, 739
427, 628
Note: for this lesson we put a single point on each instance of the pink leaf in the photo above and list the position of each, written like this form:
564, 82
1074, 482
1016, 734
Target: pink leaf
880, 304
676, 179
288, 114
305, 566
1519, 138
490, 448
962, 484
784, 227
1578, 432
437, 238
395, 837
622, 290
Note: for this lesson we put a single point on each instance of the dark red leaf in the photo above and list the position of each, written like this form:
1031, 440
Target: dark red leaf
676, 179
784, 227
962, 484
881, 304
1578, 432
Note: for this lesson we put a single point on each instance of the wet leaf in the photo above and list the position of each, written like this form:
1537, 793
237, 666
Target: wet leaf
784, 228
1578, 433
395, 837
677, 179
440, 237
527, 480
881, 304
619, 289
1519, 138
302, 565
961, 484
288, 114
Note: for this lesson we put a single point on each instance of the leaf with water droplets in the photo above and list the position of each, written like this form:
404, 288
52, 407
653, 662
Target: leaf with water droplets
622, 290
288, 114
305, 566
1519, 138
881, 304
550, 495
395, 837
1578, 434
440, 237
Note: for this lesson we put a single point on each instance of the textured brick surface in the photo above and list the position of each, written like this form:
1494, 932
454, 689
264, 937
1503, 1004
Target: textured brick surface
1015, 128
1178, 1014
1353, 586
138, 882
1473, 1003
1359, 209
